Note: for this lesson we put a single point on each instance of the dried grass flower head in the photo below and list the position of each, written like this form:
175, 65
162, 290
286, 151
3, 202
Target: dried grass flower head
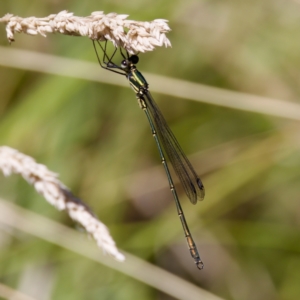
57, 194
134, 36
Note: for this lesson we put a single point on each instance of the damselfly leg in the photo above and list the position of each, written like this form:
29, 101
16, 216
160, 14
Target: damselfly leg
106, 62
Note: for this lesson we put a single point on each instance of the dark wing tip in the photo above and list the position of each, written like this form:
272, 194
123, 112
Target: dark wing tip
201, 188
192, 193
196, 192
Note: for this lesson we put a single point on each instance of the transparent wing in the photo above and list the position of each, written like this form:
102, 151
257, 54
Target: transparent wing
192, 184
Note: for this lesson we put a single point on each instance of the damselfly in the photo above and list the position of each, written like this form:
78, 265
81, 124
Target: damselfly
163, 135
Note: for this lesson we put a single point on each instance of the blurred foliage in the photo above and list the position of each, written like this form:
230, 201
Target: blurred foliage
96, 137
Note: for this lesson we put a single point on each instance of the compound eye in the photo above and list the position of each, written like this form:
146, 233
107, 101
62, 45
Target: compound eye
124, 64
134, 59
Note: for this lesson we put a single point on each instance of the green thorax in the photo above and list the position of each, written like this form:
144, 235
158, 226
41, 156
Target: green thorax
137, 81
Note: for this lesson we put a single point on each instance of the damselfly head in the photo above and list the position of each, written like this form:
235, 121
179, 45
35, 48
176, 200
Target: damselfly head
127, 63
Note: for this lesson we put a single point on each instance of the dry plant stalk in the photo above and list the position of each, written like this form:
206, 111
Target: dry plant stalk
46, 183
134, 36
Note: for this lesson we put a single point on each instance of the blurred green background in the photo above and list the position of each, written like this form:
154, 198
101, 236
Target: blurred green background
96, 137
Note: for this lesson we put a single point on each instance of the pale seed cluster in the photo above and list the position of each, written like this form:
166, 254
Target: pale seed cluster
47, 184
131, 35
